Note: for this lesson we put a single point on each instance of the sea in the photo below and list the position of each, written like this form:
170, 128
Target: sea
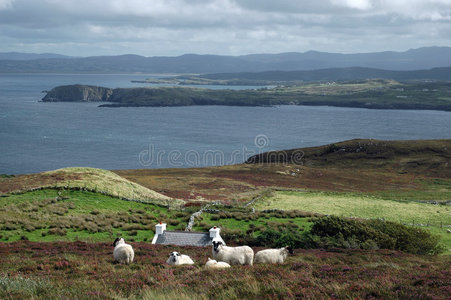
37, 136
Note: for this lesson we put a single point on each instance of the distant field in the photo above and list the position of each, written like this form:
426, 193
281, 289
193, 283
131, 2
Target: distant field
362, 206
365, 206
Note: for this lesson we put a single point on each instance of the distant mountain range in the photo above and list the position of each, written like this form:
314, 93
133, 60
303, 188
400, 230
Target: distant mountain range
29, 56
416, 59
333, 74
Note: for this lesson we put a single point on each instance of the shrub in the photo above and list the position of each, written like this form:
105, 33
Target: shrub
215, 217
276, 239
372, 234
409, 239
174, 222
25, 287
57, 231
346, 228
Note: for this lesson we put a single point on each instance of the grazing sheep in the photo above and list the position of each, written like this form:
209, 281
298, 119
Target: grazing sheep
176, 258
242, 255
123, 253
213, 264
272, 256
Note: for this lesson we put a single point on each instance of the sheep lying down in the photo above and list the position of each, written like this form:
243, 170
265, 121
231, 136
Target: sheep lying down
272, 256
242, 255
122, 253
176, 259
213, 264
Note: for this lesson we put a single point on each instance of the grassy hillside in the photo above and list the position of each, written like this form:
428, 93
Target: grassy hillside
422, 157
56, 227
68, 215
91, 179
415, 170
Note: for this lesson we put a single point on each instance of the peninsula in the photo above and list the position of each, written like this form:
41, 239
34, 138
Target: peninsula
370, 93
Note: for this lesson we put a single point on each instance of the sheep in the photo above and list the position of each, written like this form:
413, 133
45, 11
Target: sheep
213, 264
242, 255
177, 259
272, 256
123, 253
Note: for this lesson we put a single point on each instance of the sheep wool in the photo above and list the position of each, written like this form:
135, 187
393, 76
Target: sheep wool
213, 264
123, 253
242, 255
272, 256
177, 259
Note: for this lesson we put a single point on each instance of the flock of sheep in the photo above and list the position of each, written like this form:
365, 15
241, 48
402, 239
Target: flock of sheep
223, 255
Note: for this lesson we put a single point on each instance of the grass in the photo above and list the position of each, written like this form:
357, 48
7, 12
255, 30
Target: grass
358, 205
68, 215
436, 218
79, 270
384, 180
91, 179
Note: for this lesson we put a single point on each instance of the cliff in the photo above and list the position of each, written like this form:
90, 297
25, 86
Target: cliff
77, 92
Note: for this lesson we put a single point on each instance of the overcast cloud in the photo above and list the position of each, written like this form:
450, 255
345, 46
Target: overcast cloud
231, 27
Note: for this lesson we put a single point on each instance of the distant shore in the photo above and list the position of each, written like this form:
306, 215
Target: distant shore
372, 94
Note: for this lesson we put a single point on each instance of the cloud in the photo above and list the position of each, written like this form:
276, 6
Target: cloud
6, 4
171, 27
355, 4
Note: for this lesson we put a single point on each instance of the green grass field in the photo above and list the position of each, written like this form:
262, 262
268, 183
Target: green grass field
67, 215
435, 218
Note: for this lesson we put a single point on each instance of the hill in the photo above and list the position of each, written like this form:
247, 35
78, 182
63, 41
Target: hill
415, 170
29, 56
89, 179
414, 59
330, 74
420, 157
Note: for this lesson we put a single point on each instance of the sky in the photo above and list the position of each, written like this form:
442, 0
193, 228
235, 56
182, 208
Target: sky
225, 27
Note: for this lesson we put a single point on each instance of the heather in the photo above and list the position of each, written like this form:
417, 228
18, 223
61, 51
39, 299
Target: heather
86, 270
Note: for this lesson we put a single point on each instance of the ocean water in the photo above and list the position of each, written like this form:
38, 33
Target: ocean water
37, 136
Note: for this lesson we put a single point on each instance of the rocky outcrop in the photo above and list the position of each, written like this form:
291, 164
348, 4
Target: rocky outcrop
77, 92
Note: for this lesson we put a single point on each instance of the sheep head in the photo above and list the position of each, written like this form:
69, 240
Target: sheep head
174, 256
290, 249
216, 245
118, 241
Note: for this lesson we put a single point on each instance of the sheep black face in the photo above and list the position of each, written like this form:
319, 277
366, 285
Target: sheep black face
116, 241
174, 256
216, 245
290, 249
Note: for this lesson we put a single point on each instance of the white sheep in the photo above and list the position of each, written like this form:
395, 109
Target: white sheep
176, 258
242, 255
213, 264
272, 256
123, 253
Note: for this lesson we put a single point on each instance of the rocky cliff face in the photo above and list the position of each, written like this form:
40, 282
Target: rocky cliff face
78, 92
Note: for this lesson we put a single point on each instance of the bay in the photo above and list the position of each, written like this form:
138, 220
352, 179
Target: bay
37, 136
